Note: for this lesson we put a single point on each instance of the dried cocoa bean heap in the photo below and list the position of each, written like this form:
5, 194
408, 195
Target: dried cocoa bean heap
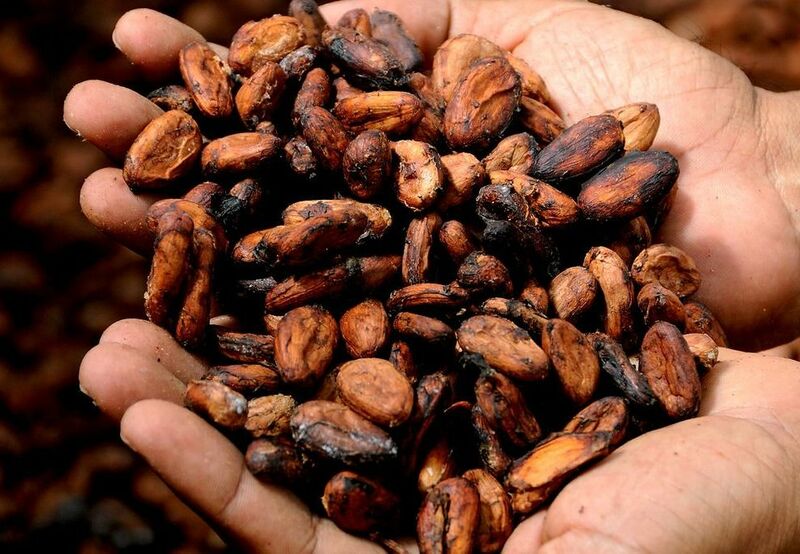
447, 301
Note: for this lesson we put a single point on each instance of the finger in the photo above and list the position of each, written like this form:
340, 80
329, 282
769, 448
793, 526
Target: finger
753, 386
789, 350
109, 205
429, 27
152, 41
108, 116
157, 344
117, 376
207, 470
527, 536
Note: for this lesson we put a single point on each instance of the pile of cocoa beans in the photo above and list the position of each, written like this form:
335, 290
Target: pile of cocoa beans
444, 303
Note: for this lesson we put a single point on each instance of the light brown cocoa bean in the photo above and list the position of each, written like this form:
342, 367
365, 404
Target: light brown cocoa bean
391, 111
207, 78
615, 282
658, 303
268, 416
426, 329
550, 207
454, 56
365, 329
669, 266
482, 105
536, 296
437, 465
457, 241
640, 123
401, 356
376, 390
532, 83
305, 341
379, 218
704, 350
463, 175
573, 358
238, 153
699, 319
502, 345
517, 311
260, 93
669, 367
170, 266
418, 174
572, 293
306, 12
609, 414
196, 309
539, 474
221, 405
266, 40
427, 295
513, 153
356, 19
540, 120
165, 150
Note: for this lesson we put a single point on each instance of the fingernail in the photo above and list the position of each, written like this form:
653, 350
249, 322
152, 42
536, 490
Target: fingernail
123, 439
115, 40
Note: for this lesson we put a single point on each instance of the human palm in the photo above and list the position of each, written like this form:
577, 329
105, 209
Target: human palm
712, 483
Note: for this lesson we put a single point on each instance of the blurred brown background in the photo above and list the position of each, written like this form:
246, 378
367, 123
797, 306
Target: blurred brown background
65, 478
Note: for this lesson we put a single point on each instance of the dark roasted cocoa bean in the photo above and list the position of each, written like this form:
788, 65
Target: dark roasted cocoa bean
449, 518
358, 504
336, 432
504, 408
580, 150
495, 520
417, 251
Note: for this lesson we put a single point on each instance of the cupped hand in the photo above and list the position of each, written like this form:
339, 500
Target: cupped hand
713, 483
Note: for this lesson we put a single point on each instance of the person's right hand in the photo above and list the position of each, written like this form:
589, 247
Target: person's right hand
735, 213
